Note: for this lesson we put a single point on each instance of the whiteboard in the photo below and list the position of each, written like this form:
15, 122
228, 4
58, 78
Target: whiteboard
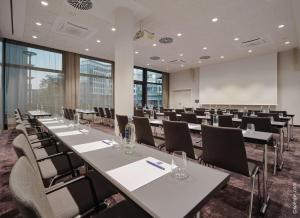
250, 81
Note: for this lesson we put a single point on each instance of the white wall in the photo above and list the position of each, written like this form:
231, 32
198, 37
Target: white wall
251, 81
289, 82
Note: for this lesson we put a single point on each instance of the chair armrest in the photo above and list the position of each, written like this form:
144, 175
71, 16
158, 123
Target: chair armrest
58, 155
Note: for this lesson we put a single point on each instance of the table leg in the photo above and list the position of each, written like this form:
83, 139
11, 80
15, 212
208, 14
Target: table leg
266, 197
288, 137
281, 148
292, 130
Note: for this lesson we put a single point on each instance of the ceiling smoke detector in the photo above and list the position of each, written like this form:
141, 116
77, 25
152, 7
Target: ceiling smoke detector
81, 4
166, 40
205, 57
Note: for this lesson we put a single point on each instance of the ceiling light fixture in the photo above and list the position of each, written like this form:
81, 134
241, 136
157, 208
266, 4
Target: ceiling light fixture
287, 42
236, 39
249, 51
87, 49
222, 57
113, 29
281, 26
179, 34
136, 52
154, 45
182, 65
44, 3
199, 61
98, 41
38, 23
35, 37
180, 54
148, 64
163, 60
214, 19
204, 48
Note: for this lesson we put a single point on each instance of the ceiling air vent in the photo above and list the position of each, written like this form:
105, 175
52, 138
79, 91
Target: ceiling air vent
155, 58
205, 57
177, 61
81, 4
253, 43
166, 40
72, 29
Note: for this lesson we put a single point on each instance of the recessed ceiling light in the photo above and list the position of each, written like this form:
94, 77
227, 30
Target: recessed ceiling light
44, 3
199, 61
180, 54
38, 23
136, 52
163, 60
179, 34
167, 68
287, 42
154, 45
281, 26
222, 57
98, 41
35, 37
249, 51
204, 48
148, 64
113, 29
182, 65
236, 39
215, 19
87, 49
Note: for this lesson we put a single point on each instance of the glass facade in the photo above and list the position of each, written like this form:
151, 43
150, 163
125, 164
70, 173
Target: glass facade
96, 84
33, 79
138, 95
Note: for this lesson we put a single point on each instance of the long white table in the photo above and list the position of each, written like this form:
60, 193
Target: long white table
163, 197
37, 114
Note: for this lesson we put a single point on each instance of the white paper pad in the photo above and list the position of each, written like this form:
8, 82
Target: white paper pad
76, 132
58, 127
46, 119
93, 146
244, 131
193, 125
50, 122
139, 173
156, 121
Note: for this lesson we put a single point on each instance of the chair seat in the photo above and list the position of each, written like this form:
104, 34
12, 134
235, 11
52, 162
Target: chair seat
48, 150
58, 165
74, 199
33, 137
124, 209
252, 168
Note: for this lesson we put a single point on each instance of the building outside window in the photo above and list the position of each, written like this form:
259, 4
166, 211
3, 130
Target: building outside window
96, 84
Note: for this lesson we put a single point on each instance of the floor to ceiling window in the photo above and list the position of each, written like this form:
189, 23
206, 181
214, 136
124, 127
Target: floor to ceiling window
1, 85
34, 79
96, 83
148, 88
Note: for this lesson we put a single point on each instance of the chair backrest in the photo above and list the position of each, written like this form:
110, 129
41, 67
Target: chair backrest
219, 112
107, 112
225, 121
161, 109
71, 114
112, 113
139, 113
179, 111
172, 115
188, 109
27, 190
274, 115
178, 137
101, 112
284, 113
200, 112
122, 122
96, 110
189, 117
23, 148
262, 124
240, 114
224, 147
143, 131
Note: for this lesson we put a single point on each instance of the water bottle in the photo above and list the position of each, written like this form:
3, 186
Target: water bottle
215, 120
76, 118
245, 111
62, 112
129, 136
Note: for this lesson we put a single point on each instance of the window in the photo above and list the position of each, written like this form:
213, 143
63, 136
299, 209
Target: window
138, 95
96, 84
154, 89
33, 79
138, 74
1, 84
153, 77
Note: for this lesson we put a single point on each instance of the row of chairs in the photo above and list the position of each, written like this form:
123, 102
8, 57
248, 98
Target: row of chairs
106, 115
45, 181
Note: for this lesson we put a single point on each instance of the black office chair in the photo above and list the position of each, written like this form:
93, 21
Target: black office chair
274, 115
178, 137
200, 112
225, 121
97, 111
189, 117
102, 115
122, 122
139, 113
107, 113
188, 109
171, 115
143, 132
179, 111
284, 113
224, 148
219, 112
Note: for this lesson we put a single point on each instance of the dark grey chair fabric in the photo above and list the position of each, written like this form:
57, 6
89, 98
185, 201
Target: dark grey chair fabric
225, 121
122, 122
139, 113
143, 131
189, 117
171, 115
178, 137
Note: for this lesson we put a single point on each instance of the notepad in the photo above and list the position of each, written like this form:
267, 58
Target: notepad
61, 134
139, 173
46, 119
156, 121
193, 125
50, 122
244, 131
92, 146
58, 127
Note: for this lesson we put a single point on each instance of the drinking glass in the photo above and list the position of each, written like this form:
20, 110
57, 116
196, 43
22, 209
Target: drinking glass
250, 127
215, 120
204, 122
272, 118
178, 165
235, 116
120, 138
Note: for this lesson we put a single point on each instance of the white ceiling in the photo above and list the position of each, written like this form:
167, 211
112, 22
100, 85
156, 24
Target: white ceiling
246, 19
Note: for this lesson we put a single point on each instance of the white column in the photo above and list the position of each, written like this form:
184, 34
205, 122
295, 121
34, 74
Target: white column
124, 62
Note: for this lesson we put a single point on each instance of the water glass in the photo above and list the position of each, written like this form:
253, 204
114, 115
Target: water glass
179, 165
250, 128
235, 116
272, 118
215, 120
280, 114
204, 122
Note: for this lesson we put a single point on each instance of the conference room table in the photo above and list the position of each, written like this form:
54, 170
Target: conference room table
161, 195
37, 113
192, 126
